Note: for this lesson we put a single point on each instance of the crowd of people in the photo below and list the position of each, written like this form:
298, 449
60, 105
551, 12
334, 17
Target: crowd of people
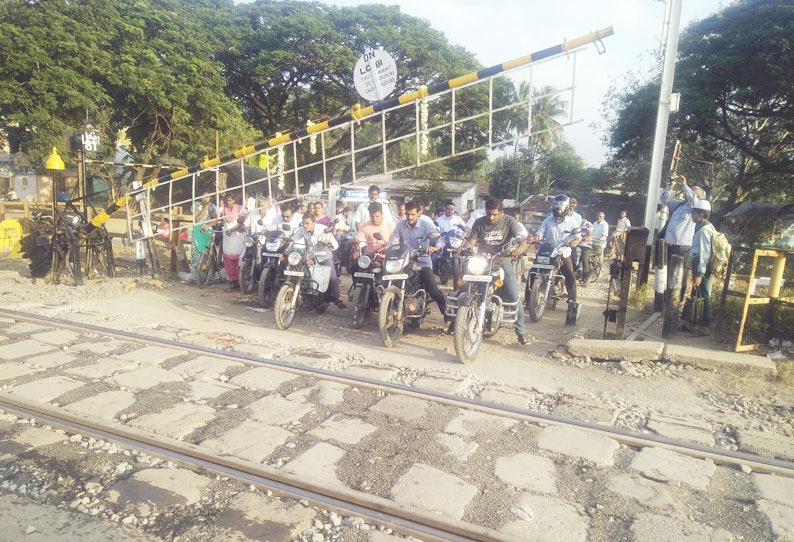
372, 225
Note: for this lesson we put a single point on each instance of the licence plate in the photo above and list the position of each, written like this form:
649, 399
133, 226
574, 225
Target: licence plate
364, 275
541, 266
271, 255
476, 278
401, 276
293, 273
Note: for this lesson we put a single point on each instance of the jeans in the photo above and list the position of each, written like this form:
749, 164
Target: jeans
705, 291
429, 282
570, 278
510, 293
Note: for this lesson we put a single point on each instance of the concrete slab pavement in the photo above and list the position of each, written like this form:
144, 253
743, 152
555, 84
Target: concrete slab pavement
176, 422
251, 517
433, 490
616, 350
720, 360
401, 406
574, 442
665, 465
527, 471
105, 405
544, 518
250, 440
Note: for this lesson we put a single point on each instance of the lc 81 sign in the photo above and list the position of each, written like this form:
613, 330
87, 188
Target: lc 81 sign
375, 75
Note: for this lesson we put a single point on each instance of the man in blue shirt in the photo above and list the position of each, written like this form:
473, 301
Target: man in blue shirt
701, 257
411, 232
680, 227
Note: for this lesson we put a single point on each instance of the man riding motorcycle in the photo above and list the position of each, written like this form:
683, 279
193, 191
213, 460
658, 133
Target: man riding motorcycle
495, 230
556, 229
411, 232
376, 224
311, 234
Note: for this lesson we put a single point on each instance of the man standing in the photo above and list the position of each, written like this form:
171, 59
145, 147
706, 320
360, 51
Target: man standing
400, 212
680, 226
577, 218
585, 248
617, 241
600, 233
556, 230
450, 219
411, 232
701, 256
494, 230
362, 211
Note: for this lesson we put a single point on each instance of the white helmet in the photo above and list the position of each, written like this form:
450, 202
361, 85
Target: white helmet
702, 205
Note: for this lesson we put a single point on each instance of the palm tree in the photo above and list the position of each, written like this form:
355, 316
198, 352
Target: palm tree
546, 129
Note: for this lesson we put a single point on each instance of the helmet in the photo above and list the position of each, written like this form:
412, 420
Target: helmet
560, 205
702, 205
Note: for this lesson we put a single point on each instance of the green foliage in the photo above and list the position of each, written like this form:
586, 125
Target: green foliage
432, 194
734, 73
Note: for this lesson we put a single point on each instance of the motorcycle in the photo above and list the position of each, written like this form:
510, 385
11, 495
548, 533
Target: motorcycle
450, 262
273, 262
546, 284
366, 280
249, 263
403, 298
477, 308
306, 282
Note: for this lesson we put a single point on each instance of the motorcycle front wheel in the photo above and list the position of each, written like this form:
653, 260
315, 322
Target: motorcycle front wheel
360, 303
284, 308
467, 338
537, 301
247, 280
389, 325
265, 289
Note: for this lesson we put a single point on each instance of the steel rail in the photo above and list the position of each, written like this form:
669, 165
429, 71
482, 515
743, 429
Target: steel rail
756, 462
404, 520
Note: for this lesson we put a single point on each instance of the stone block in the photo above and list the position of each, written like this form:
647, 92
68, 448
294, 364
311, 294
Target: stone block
505, 396
774, 488
152, 355
59, 337
433, 490
205, 367
720, 360
250, 440
46, 389
175, 422
25, 328
275, 410
11, 370
470, 423
457, 446
648, 527
155, 490
401, 406
680, 428
441, 384
33, 437
23, 349
373, 372
330, 393
544, 518
317, 464
200, 389
765, 444
616, 350
105, 405
253, 517
143, 378
646, 492
262, 378
344, 430
527, 471
53, 359
781, 518
102, 369
578, 443
100, 347
665, 465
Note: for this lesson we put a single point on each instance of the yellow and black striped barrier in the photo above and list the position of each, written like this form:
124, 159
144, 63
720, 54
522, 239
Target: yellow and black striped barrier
356, 113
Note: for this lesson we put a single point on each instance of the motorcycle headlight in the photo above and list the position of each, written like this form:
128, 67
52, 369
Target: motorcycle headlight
455, 242
364, 261
542, 259
273, 246
293, 258
477, 265
394, 266
249, 242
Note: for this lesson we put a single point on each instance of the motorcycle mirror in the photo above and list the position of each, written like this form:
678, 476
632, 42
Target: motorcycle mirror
378, 236
433, 236
286, 227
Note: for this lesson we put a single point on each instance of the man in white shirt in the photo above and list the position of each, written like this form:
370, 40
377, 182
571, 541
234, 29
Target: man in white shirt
577, 218
680, 227
555, 230
259, 220
287, 216
312, 233
362, 211
600, 233
450, 220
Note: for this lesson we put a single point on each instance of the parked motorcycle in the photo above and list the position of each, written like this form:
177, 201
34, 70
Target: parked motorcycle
546, 284
367, 270
272, 265
249, 263
403, 298
477, 308
306, 283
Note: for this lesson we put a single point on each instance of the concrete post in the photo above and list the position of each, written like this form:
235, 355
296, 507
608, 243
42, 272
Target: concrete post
670, 325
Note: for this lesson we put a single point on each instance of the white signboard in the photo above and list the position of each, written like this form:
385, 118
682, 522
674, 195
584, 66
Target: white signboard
90, 141
375, 75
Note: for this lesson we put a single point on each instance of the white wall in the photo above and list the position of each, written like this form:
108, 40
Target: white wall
25, 187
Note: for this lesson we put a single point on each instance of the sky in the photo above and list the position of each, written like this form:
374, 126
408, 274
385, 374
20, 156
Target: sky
502, 30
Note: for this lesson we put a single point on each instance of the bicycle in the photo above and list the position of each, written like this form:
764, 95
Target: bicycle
596, 261
211, 261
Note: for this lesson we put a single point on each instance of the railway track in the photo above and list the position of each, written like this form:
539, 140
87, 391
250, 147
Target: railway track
405, 519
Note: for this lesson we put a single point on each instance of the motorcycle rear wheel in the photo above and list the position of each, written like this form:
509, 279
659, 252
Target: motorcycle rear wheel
466, 346
536, 303
247, 280
390, 327
284, 309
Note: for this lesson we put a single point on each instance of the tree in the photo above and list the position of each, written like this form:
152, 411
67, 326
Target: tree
735, 73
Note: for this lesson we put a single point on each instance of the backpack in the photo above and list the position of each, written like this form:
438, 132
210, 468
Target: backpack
720, 253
